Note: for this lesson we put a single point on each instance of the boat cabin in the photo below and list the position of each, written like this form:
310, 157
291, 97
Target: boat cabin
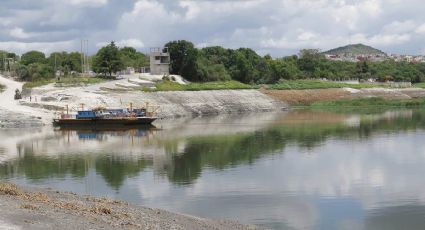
86, 115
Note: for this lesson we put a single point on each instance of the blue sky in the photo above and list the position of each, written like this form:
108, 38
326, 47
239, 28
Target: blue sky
277, 27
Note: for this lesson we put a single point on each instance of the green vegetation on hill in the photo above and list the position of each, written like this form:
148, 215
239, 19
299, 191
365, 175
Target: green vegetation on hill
357, 49
219, 85
38, 69
2, 87
65, 82
373, 102
420, 85
33, 84
245, 65
213, 64
315, 84
77, 81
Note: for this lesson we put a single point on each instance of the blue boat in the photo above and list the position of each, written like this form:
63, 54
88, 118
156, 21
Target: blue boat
109, 117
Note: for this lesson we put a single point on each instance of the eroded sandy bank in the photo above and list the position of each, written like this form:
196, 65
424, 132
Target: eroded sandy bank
44, 103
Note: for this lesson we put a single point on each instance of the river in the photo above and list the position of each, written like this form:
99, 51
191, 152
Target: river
288, 170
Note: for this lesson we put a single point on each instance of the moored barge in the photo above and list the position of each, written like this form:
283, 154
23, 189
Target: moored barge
106, 117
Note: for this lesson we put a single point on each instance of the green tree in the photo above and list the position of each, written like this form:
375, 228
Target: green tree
107, 60
11, 58
65, 62
130, 57
284, 68
362, 70
22, 72
209, 71
183, 59
33, 57
309, 60
73, 62
218, 55
39, 71
244, 66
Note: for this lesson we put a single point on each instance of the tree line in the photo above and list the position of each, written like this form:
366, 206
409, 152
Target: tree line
213, 63
245, 65
35, 65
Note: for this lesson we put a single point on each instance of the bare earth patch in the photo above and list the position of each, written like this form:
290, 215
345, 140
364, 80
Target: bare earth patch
308, 96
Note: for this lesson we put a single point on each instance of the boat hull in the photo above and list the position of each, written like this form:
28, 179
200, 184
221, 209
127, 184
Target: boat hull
105, 122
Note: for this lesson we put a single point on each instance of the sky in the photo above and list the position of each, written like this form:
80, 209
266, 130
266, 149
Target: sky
276, 27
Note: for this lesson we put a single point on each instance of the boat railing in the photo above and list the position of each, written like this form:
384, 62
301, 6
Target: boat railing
67, 116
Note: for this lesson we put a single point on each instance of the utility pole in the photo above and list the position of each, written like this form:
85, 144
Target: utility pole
82, 58
87, 56
4, 62
55, 65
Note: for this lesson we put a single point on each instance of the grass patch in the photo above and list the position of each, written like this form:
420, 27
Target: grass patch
373, 102
219, 85
66, 82
419, 85
33, 84
2, 87
317, 84
77, 81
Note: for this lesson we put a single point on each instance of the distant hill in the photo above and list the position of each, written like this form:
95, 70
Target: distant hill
357, 49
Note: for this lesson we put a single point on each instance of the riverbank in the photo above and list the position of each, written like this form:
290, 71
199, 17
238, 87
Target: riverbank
310, 96
15, 115
43, 102
48, 209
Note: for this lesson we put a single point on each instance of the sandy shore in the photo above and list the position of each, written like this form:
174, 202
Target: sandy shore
47, 209
13, 114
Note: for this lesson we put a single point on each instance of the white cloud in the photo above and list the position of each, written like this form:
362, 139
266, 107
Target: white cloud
92, 3
325, 42
420, 29
135, 43
5, 21
279, 27
399, 27
20, 33
389, 39
306, 36
193, 9
46, 47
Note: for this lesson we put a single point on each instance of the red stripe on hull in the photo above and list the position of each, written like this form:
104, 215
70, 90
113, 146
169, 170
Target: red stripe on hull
96, 122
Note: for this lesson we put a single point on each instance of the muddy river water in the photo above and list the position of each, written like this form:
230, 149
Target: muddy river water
289, 170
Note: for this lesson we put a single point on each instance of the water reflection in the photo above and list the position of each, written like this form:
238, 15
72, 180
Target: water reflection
397, 217
294, 171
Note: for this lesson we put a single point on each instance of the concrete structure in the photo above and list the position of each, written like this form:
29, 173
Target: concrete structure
159, 61
145, 70
130, 70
